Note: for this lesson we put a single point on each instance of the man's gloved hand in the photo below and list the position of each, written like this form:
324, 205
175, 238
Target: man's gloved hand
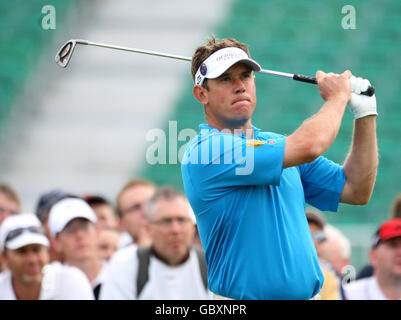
361, 105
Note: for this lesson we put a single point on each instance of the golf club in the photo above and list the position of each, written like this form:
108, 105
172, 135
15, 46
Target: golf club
63, 57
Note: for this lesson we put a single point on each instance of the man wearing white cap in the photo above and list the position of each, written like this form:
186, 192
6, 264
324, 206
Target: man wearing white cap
248, 188
29, 276
72, 224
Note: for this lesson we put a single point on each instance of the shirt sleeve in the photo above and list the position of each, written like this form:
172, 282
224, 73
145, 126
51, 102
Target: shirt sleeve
226, 160
323, 182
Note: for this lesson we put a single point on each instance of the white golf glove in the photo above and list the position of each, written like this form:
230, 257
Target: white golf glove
361, 105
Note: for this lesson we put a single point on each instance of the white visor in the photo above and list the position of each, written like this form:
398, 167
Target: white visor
66, 210
218, 62
20, 230
27, 238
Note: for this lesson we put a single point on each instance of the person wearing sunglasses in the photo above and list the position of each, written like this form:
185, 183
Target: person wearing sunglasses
29, 275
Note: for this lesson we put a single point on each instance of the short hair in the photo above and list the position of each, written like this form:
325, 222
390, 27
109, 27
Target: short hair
94, 200
396, 209
48, 200
129, 185
213, 45
10, 193
165, 193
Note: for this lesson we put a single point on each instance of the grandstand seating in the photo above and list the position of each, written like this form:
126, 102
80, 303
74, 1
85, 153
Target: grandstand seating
21, 41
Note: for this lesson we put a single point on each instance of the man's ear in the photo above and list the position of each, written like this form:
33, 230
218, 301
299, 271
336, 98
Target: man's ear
120, 224
200, 94
56, 244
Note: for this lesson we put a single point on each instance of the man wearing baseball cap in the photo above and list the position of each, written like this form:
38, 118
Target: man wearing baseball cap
72, 225
385, 258
248, 188
29, 276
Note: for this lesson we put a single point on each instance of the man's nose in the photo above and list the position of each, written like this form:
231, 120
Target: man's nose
239, 85
175, 226
31, 257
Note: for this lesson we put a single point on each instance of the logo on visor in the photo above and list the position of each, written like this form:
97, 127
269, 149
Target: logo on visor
203, 69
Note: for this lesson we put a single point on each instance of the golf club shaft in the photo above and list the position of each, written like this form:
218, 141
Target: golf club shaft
297, 77
152, 53
172, 56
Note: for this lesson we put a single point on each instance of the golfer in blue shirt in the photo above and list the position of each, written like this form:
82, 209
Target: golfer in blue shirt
248, 188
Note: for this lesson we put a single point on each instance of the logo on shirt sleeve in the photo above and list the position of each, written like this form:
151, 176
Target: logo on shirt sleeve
254, 143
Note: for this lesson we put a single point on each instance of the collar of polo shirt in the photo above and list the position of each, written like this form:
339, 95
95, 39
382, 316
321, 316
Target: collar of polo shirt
221, 60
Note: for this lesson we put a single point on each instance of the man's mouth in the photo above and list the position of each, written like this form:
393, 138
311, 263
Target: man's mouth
241, 100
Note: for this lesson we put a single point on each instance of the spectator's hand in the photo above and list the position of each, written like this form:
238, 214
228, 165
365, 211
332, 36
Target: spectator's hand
361, 105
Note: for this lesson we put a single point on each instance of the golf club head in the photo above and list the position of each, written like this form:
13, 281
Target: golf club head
63, 56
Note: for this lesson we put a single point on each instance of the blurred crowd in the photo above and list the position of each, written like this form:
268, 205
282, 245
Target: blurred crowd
145, 245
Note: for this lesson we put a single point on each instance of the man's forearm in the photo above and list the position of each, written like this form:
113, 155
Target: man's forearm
361, 164
315, 135
325, 124
318, 133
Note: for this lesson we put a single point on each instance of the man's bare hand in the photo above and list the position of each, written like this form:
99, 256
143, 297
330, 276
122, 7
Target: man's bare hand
334, 86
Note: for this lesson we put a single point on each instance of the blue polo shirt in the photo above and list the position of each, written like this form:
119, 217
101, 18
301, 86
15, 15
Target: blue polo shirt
251, 213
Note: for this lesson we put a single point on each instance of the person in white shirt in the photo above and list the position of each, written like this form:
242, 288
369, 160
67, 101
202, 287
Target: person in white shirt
174, 268
385, 258
72, 225
29, 276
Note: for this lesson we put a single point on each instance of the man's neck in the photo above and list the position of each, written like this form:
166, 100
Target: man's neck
91, 267
245, 129
171, 261
24, 291
143, 239
390, 286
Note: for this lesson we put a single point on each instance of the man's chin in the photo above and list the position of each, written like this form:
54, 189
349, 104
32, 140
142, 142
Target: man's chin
238, 122
32, 279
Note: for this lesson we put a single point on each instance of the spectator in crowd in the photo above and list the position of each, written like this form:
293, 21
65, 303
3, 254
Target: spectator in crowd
106, 216
108, 242
331, 289
72, 224
9, 205
385, 258
131, 203
170, 268
30, 277
45, 203
367, 271
337, 250
9, 202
